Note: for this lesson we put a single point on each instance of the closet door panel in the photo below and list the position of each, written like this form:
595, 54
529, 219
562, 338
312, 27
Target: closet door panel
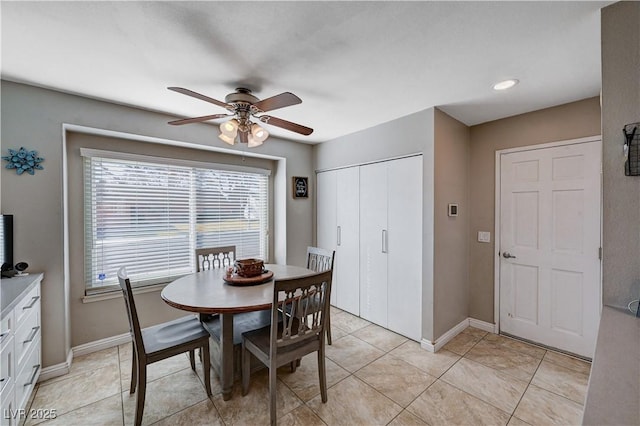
373, 232
405, 247
326, 208
347, 271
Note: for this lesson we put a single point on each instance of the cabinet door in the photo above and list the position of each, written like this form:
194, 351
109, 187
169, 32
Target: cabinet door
326, 228
405, 246
347, 270
373, 243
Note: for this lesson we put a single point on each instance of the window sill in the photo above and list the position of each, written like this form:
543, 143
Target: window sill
98, 297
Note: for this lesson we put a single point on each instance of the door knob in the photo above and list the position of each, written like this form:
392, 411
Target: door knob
507, 255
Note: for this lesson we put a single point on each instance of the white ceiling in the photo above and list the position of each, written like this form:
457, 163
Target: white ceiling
353, 64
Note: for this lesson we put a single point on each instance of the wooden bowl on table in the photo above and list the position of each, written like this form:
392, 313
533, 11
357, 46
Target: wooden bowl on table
249, 267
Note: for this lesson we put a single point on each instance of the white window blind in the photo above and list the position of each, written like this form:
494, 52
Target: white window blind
150, 217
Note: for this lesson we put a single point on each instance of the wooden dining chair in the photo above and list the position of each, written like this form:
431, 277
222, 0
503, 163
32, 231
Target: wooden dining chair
290, 337
215, 257
320, 260
162, 341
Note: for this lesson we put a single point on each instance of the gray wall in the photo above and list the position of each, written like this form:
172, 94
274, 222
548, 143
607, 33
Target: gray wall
33, 117
568, 121
407, 135
451, 245
620, 105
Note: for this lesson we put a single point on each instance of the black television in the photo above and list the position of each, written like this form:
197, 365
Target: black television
6, 245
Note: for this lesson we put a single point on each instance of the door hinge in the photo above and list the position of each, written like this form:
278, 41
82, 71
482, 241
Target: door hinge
600, 253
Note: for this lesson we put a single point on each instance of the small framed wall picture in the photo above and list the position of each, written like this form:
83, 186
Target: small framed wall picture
300, 187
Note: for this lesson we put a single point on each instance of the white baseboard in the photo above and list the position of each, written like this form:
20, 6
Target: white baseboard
453, 332
56, 370
64, 367
101, 344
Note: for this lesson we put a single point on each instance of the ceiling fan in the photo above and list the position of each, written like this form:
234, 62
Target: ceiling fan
242, 105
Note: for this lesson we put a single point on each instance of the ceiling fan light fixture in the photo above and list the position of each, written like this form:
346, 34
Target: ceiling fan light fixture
227, 139
229, 128
258, 133
253, 142
505, 84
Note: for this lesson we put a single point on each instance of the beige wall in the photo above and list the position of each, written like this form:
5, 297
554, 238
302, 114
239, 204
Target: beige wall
569, 121
34, 117
620, 105
451, 245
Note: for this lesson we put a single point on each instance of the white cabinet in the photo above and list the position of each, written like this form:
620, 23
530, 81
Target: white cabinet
20, 344
372, 216
338, 229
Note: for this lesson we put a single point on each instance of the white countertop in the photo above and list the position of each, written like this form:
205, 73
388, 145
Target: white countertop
11, 289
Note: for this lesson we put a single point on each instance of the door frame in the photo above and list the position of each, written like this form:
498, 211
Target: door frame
496, 231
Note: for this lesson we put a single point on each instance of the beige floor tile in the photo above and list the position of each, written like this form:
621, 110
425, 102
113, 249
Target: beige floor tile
514, 363
334, 310
352, 402
407, 419
157, 369
165, 397
105, 412
433, 363
348, 322
301, 416
514, 421
492, 386
124, 351
541, 407
516, 345
305, 382
352, 353
203, 413
443, 404
465, 340
92, 361
569, 362
78, 391
563, 381
337, 333
396, 379
379, 337
253, 408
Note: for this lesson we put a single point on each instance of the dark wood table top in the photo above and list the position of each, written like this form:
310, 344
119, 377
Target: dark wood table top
207, 293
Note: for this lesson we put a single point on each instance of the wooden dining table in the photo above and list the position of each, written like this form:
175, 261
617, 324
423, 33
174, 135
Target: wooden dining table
208, 293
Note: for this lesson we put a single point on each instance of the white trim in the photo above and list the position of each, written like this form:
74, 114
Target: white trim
483, 325
116, 293
496, 264
56, 370
453, 332
101, 344
125, 156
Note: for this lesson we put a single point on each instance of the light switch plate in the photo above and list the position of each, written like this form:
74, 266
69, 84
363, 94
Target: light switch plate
484, 236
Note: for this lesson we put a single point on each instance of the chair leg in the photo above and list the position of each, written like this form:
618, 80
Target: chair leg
204, 352
294, 364
192, 359
322, 374
273, 382
134, 371
246, 369
328, 327
142, 388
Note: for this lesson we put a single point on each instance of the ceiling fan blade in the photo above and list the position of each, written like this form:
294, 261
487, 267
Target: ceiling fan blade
199, 96
278, 101
198, 119
244, 136
288, 125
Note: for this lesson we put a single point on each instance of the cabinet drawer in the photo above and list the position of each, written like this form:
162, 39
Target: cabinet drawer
7, 366
30, 303
7, 326
27, 333
9, 416
28, 375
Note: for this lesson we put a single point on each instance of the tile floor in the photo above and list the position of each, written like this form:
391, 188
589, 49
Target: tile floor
375, 377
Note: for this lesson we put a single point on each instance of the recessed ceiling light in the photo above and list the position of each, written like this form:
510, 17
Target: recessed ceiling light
506, 84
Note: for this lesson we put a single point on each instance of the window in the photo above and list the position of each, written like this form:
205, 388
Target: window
150, 216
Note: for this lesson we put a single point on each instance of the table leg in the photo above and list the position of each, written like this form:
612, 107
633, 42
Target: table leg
226, 349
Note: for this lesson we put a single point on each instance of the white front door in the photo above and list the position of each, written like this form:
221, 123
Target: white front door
549, 245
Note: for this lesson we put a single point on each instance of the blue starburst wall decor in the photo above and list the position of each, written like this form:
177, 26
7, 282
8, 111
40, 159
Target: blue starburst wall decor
23, 160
